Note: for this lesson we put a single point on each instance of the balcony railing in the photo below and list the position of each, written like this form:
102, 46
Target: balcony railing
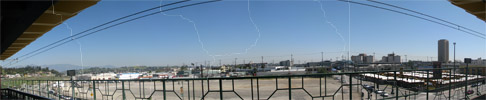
12, 94
449, 83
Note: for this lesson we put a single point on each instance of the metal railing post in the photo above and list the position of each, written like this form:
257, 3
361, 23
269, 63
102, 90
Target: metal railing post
72, 86
320, 86
258, 89
123, 90
427, 85
290, 88
396, 87
350, 86
202, 88
39, 86
94, 90
193, 91
220, 90
467, 75
58, 90
189, 90
47, 88
163, 86
450, 83
32, 86
251, 83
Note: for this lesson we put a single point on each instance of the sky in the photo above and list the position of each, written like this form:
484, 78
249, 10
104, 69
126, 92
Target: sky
248, 31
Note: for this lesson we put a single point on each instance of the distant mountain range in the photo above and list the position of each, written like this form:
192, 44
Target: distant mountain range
64, 67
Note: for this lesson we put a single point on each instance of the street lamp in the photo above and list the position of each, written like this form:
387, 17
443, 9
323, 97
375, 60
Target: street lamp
72, 73
467, 61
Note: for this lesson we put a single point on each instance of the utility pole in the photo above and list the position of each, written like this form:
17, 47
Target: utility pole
235, 65
322, 61
291, 60
406, 58
262, 63
454, 66
374, 56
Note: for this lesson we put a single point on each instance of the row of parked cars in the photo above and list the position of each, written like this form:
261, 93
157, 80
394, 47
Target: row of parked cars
371, 89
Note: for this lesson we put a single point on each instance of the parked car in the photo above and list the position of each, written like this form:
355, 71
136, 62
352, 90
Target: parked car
468, 92
384, 94
368, 87
475, 85
51, 92
379, 91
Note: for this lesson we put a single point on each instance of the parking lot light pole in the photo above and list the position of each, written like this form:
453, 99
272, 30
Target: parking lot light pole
72, 73
467, 61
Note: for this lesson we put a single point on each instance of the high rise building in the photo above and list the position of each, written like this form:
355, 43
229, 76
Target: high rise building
443, 51
391, 58
362, 58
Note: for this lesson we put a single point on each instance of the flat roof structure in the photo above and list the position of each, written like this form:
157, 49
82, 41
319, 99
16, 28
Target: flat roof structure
23, 21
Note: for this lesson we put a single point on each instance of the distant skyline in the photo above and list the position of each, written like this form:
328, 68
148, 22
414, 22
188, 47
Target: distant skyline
285, 27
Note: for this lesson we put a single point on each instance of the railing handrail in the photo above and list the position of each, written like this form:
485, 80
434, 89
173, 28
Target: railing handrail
271, 76
27, 94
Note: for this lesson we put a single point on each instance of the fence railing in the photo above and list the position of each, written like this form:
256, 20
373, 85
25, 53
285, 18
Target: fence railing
392, 84
12, 94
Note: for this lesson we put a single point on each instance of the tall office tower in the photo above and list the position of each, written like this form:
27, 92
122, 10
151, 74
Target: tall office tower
443, 50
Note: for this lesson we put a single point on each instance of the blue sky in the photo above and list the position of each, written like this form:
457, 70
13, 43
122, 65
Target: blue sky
286, 27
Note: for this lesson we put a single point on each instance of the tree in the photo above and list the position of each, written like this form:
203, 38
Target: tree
322, 70
183, 68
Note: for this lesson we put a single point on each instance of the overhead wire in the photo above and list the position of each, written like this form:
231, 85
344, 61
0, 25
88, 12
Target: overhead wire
129, 20
459, 26
414, 16
112, 21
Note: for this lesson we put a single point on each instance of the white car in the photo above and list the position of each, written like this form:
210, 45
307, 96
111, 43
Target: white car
384, 95
61, 84
379, 92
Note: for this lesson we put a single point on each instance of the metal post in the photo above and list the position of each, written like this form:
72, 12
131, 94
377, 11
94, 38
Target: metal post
290, 88
72, 85
94, 90
258, 90
47, 88
202, 88
123, 90
39, 86
477, 81
396, 87
454, 67
320, 86
32, 86
251, 88
220, 90
163, 86
467, 75
193, 91
450, 83
427, 85
58, 90
350, 87
189, 90
342, 89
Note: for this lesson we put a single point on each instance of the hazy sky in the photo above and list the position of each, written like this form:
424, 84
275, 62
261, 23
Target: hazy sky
285, 26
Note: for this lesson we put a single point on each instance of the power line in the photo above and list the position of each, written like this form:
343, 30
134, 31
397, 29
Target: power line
129, 20
414, 16
100, 26
459, 26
